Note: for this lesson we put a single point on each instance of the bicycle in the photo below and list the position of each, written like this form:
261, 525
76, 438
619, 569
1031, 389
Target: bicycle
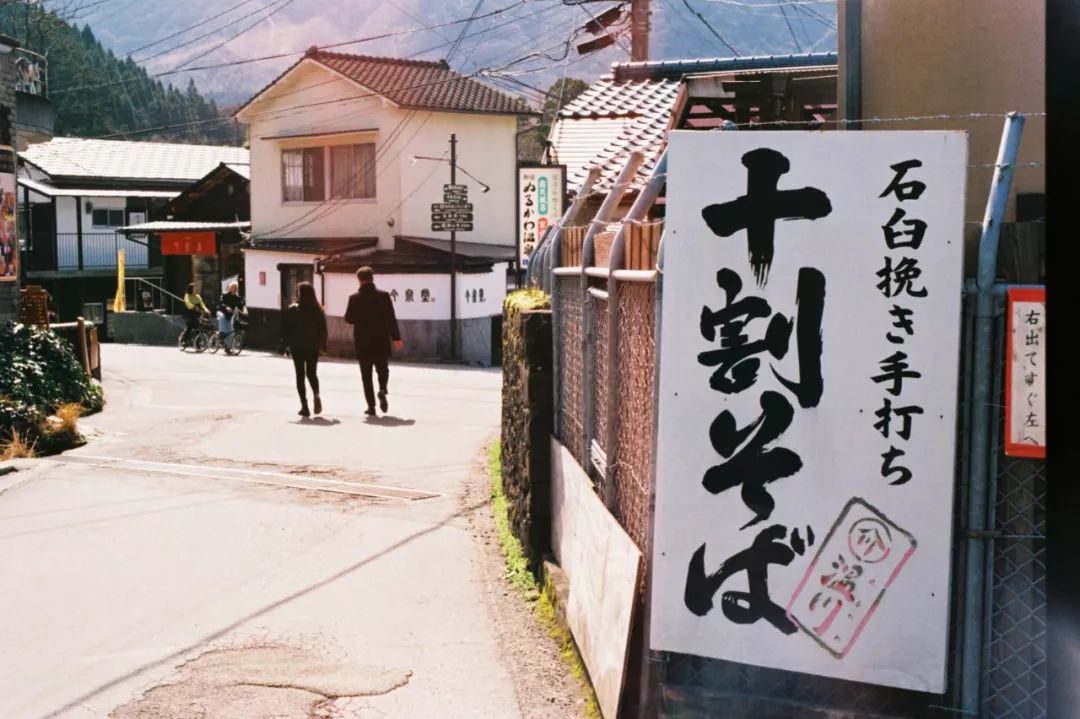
231, 342
200, 336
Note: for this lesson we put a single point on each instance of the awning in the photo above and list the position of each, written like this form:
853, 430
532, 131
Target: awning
314, 245
48, 190
303, 135
477, 250
169, 226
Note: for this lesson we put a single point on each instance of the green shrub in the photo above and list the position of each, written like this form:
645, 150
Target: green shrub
41, 374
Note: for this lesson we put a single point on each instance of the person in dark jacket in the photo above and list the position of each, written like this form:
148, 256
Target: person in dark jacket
304, 333
375, 333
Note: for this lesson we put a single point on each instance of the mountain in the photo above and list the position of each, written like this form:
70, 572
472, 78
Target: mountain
157, 35
97, 94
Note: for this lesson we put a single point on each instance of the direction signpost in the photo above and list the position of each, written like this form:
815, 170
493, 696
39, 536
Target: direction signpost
454, 214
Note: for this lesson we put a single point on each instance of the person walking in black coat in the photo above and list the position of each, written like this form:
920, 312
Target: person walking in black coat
304, 334
375, 333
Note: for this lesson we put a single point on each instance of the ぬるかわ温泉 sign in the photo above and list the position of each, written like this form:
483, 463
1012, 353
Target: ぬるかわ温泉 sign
539, 206
808, 377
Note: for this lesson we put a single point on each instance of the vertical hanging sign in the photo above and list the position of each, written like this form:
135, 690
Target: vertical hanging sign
807, 401
1025, 378
541, 189
9, 238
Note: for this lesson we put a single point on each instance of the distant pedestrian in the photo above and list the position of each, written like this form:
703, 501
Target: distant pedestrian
375, 333
304, 333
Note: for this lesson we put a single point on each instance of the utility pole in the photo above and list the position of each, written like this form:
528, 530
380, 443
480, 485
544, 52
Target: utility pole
639, 30
453, 256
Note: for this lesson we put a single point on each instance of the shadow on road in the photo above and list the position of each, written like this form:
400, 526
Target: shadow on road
317, 421
389, 421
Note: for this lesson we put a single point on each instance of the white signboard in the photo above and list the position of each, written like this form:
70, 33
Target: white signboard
540, 205
808, 392
602, 563
1025, 414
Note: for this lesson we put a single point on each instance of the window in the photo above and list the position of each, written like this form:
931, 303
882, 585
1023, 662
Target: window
291, 276
302, 175
352, 169
108, 218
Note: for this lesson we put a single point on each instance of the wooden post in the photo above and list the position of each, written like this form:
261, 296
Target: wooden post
84, 354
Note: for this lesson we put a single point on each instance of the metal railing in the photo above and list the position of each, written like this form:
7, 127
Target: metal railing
31, 73
141, 294
97, 251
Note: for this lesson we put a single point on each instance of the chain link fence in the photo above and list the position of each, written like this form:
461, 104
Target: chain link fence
569, 306
1014, 662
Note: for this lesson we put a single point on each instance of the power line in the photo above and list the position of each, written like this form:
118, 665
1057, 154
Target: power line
787, 21
217, 47
189, 27
711, 28
293, 53
464, 29
261, 8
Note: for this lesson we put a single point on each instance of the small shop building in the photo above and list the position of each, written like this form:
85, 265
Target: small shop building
349, 153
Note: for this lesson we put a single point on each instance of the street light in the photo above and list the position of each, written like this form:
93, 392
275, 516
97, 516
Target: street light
484, 187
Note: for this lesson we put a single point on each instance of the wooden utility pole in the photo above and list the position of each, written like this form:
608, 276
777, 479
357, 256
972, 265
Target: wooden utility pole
453, 257
639, 30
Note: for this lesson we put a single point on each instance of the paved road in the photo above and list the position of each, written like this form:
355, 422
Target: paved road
208, 554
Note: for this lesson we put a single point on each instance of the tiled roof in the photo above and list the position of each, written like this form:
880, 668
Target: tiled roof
477, 250
75, 157
608, 98
630, 110
414, 84
404, 261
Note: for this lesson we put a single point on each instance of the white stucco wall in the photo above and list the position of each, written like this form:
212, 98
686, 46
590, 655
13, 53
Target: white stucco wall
486, 149
268, 295
339, 286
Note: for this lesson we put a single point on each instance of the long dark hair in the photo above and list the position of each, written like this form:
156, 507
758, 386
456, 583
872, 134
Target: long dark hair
306, 298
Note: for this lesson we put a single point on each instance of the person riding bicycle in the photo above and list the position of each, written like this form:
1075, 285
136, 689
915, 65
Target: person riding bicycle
196, 308
230, 307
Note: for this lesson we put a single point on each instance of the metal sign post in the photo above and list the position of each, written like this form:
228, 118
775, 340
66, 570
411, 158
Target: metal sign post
454, 214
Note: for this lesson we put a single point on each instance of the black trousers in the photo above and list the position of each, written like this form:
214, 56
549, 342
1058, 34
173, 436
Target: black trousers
192, 321
306, 365
381, 365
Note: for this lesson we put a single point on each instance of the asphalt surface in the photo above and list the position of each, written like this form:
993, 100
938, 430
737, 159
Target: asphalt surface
210, 554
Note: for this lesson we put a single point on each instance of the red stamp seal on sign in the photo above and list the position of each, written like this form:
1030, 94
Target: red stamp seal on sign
860, 558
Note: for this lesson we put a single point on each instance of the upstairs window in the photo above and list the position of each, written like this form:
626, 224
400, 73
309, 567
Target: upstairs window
107, 218
302, 175
352, 171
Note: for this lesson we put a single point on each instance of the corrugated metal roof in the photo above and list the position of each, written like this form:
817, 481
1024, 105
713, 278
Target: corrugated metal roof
114, 159
244, 170
315, 245
169, 226
658, 69
43, 188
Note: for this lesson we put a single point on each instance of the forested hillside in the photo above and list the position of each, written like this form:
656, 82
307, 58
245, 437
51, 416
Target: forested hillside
97, 94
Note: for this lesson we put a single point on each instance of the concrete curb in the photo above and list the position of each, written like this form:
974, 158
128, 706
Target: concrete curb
556, 587
12, 474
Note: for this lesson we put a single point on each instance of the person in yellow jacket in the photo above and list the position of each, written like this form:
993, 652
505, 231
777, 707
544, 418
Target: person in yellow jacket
196, 308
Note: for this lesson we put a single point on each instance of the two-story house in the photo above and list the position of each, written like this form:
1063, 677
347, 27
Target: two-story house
348, 154
78, 193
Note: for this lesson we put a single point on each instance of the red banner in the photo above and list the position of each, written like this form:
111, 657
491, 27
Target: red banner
188, 243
